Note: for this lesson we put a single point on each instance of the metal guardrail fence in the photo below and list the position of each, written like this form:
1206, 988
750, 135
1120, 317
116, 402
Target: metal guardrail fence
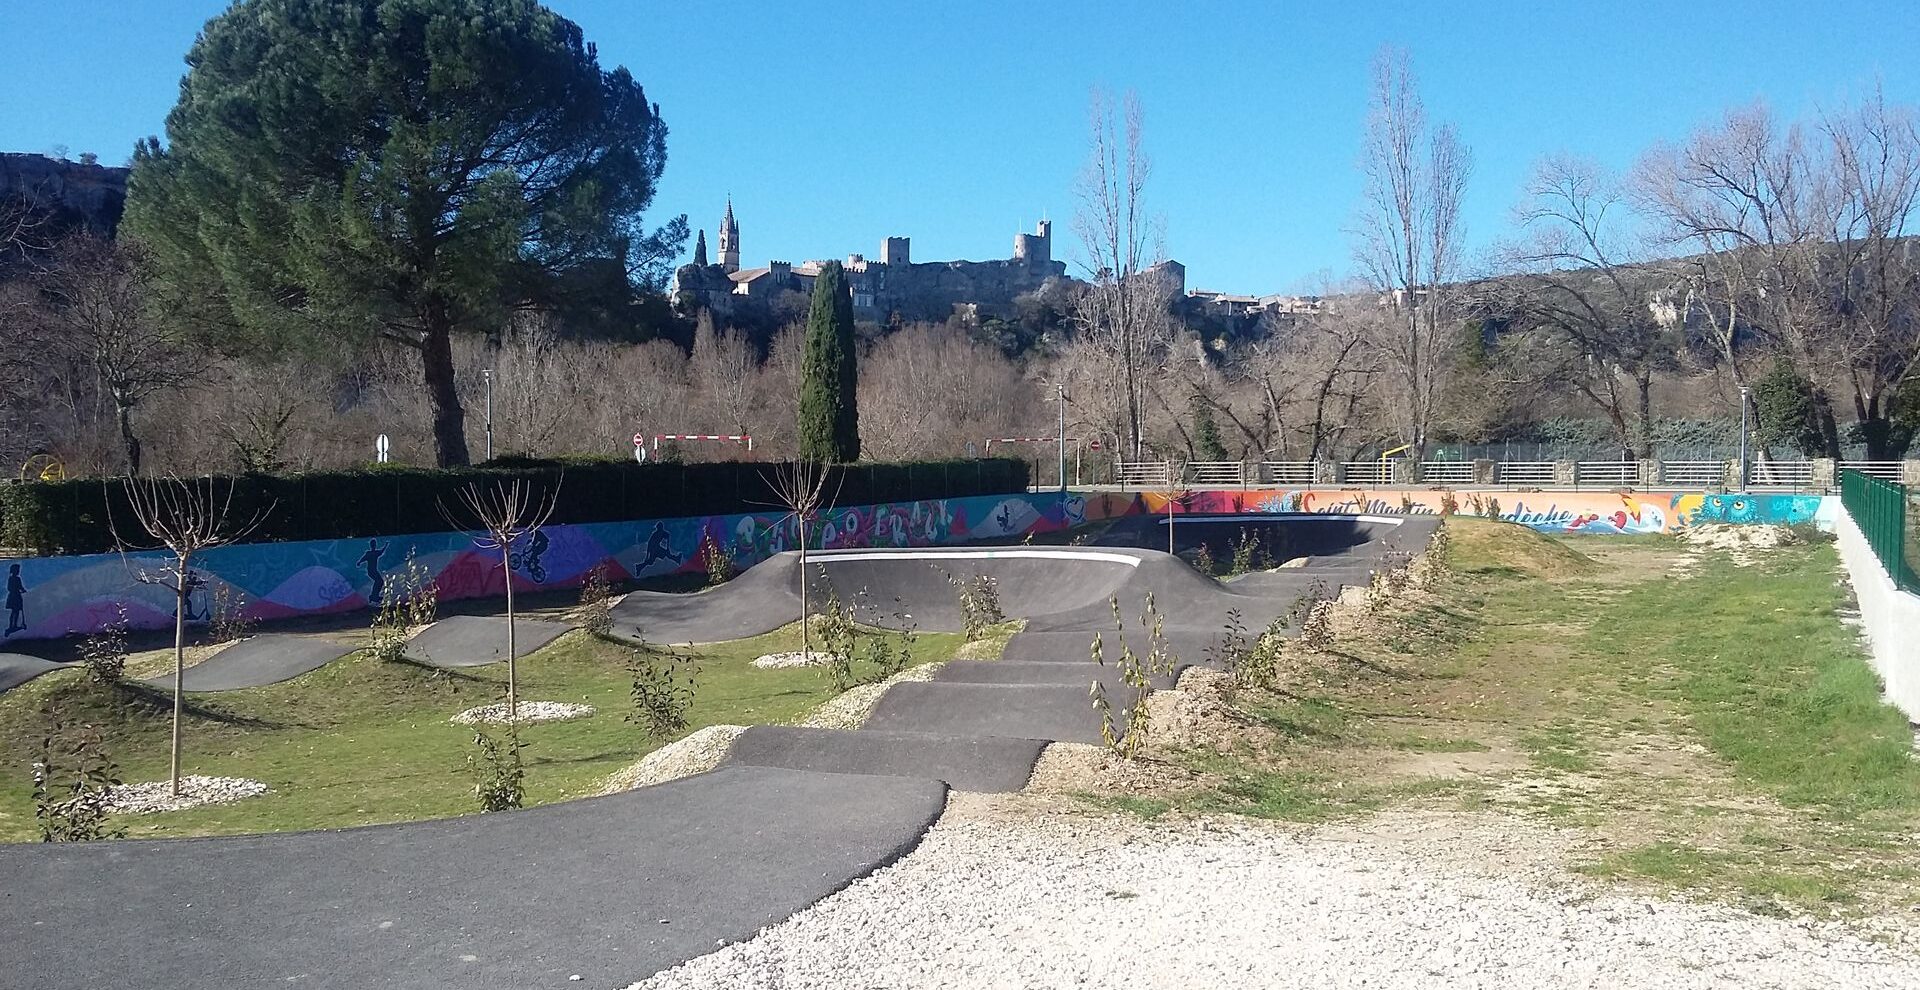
1367, 472
1143, 474
1883, 470
1536, 473
1615, 474
1781, 474
1879, 508
1763, 475
1231, 473
1446, 472
1287, 472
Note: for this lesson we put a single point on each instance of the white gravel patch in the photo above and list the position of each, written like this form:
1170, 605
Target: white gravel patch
797, 658
700, 751
849, 709
195, 790
1097, 902
530, 711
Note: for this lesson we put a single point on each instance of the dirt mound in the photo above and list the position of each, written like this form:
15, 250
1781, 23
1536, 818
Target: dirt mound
1483, 546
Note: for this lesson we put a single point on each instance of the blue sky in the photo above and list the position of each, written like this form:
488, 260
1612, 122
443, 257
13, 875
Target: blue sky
959, 124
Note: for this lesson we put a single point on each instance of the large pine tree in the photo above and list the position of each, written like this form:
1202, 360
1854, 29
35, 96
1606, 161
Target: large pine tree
343, 170
829, 377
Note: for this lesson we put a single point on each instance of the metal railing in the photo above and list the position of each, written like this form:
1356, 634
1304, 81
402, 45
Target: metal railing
1217, 473
1143, 474
1879, 508
1883, 470
1535, 473
1446, 472
1287, 472
1809, 475
1694, 474
1367, 472
1780, 474
1609, 474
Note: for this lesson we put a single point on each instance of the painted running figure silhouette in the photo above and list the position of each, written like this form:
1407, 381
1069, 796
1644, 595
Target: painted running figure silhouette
657, 548
194, 583
16, 601
371, 560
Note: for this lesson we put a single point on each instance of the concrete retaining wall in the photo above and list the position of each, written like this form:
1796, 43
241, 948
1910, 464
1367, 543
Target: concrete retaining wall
1891, 618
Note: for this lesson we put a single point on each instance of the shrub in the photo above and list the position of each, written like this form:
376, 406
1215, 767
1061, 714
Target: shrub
1449, 502
718, 561
886, 660
1243, 553
500, 773
410, 600
596, 603
663, 689
839, 636
979, 604
73, 778
1136, 672
104, 654
1203, 560
229, 622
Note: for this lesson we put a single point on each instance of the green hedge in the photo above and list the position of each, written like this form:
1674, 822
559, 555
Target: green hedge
72, 516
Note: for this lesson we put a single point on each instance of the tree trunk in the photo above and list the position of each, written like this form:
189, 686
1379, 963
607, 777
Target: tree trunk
436, 366
513, 663
179, 670
128, 441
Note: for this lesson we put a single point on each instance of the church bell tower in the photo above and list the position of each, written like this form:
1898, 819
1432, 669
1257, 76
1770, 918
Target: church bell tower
729, 240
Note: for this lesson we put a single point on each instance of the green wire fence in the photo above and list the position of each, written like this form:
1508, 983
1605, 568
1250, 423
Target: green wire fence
1880, 509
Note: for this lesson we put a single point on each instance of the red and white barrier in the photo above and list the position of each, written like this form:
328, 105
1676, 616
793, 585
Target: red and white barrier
717, 437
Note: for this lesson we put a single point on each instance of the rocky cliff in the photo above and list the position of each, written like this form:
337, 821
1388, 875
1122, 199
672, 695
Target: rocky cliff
68, 195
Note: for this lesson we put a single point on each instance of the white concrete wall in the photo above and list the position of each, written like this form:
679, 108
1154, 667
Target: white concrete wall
1891, 618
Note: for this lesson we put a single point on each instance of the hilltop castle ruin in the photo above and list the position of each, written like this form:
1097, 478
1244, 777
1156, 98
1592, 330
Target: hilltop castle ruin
890, 285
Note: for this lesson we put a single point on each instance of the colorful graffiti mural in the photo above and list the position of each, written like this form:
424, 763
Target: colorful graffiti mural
1616, 512
49, 597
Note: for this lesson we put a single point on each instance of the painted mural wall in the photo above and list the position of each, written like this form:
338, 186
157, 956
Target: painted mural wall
1612, 512
49, 597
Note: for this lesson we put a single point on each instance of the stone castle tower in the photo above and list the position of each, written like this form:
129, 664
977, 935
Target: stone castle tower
729, 240
1035, 249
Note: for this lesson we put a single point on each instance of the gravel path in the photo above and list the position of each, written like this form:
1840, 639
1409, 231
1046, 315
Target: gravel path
1066, 902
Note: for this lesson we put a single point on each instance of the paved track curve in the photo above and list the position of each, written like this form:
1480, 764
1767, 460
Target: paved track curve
612, 889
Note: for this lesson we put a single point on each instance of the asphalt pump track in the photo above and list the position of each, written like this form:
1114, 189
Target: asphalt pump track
615, 889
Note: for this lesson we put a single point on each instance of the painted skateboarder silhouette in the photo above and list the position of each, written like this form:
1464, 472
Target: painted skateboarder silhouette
657, 548
371, 561
16, 601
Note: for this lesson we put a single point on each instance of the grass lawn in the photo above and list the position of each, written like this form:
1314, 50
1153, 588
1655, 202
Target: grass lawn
1713, 726
360, 742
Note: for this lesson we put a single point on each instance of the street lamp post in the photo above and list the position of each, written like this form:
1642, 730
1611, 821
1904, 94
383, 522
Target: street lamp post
1744, 393
1060, 392
486, 375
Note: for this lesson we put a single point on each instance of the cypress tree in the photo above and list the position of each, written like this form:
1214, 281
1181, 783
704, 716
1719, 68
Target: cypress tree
829, 378
1207, 445
700, 250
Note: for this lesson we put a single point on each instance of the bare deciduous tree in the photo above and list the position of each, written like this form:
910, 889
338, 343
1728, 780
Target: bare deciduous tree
1410, 234
185, 518
94, 307
1124, 314
505, 512
801, 488
1579, 285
